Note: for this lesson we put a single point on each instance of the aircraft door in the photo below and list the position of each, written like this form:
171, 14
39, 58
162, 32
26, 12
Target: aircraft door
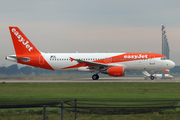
41, 60
152, 59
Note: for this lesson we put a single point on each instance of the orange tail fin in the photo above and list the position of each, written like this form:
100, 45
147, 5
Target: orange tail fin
26, 52
22, 45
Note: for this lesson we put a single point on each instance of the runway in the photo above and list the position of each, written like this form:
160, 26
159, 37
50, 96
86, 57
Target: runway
101, 80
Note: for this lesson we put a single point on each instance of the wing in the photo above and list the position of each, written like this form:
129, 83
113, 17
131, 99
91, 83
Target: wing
89, 63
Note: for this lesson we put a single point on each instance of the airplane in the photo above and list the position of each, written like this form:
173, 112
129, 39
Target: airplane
156, 76
113, 64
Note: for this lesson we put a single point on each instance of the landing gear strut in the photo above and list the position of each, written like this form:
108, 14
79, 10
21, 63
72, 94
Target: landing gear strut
95, 77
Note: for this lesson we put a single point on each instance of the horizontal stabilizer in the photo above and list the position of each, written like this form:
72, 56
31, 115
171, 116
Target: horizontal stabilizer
13, 57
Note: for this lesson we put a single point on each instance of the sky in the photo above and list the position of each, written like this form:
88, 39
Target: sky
69, 26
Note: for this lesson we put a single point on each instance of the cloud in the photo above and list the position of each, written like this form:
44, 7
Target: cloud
130, 13
92, 26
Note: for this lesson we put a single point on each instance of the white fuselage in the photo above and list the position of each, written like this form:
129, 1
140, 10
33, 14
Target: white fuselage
59, 61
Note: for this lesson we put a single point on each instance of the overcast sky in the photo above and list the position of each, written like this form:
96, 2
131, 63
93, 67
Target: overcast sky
91, 25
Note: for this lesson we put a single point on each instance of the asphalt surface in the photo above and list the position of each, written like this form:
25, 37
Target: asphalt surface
101, 80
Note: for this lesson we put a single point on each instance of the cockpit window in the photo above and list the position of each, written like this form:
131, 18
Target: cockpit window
163, 58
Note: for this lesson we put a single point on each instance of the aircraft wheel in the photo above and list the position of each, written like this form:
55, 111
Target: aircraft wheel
152, 77
95, 77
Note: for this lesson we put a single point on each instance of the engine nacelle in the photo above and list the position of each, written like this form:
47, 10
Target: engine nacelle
115, 71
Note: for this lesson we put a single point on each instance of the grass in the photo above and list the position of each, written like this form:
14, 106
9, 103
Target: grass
49, 92
89, 95
70, 116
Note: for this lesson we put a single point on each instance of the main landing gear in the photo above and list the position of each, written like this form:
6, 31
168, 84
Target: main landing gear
95, 77
152, 77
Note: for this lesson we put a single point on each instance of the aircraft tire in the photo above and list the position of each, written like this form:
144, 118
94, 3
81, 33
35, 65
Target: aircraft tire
152, 77
95, 77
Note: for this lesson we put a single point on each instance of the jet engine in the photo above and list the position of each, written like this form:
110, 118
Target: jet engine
114, 71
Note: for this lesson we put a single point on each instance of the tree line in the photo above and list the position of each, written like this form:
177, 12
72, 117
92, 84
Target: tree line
26, 70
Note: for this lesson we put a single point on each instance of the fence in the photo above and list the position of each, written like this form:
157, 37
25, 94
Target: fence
105, 106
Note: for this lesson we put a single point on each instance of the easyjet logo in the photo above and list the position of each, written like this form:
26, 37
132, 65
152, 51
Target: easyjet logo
136, 56
22, 40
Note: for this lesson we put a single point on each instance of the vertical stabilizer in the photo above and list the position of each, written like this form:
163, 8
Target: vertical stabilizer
22, 45
26, 52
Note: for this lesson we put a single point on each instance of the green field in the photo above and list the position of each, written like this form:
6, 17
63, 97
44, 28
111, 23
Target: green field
125, 95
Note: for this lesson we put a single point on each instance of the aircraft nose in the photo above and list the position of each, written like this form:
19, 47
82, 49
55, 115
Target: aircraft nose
171, 64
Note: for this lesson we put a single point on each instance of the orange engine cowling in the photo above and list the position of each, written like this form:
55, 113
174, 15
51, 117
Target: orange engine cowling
116, 71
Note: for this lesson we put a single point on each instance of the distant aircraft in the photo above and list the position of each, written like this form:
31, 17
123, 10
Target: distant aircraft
113, 64
156, 76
